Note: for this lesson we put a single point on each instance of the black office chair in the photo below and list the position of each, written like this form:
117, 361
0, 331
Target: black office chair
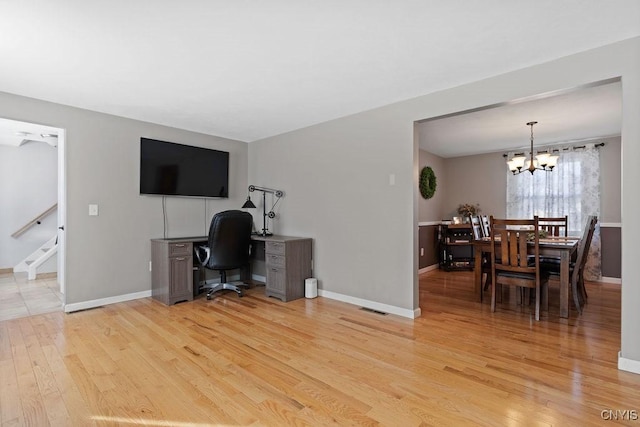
228, 248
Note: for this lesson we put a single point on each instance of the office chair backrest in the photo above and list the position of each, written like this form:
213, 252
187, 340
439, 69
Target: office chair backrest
229, 239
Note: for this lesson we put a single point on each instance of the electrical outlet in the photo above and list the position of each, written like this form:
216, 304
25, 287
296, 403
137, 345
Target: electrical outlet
421, 251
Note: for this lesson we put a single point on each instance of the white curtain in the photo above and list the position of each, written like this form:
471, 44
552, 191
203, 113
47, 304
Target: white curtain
572, 189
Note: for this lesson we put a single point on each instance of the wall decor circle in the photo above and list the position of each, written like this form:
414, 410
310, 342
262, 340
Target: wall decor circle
427, 182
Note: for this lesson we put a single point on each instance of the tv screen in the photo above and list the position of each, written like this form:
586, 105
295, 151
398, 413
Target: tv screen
171, 169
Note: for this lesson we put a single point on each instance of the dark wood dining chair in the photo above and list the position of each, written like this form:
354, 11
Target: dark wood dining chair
486, 227
576, 268
476, 227
510, 263
557, 226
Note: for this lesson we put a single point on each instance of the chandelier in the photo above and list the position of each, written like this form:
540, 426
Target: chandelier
544, 161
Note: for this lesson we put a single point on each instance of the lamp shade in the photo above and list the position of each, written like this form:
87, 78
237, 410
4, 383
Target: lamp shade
518, 161
248, 204
543, 159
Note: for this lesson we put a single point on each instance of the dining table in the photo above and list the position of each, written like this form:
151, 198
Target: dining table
562, 247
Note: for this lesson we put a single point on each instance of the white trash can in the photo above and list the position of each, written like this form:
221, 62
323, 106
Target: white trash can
311, 288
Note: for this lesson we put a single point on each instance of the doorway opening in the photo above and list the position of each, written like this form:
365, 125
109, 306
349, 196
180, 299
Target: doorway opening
32, 240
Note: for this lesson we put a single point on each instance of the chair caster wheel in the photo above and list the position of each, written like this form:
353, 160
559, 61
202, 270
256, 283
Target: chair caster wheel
209, 297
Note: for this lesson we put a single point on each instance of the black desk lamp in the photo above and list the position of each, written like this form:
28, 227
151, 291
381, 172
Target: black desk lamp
249, 205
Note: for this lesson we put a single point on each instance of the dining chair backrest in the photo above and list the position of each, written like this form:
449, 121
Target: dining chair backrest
476, 227
585, 243
554, 226
486, 227
577, 273
510, 261
513, 235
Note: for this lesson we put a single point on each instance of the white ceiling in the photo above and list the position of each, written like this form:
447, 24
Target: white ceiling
582, 114
250, 69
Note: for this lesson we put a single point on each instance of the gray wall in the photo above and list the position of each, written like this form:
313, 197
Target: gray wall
433, 209
108, 255
480, 179
610, 181
337, 179
483, 179
28, 187
366, 239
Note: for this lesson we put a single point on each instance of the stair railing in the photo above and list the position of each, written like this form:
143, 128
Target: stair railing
35, 221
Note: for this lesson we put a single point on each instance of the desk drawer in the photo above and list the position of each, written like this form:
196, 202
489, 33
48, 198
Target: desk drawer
275, 260
277, 248
179, 249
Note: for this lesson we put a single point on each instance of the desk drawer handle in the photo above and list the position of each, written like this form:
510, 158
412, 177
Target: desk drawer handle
180, 259
181, 245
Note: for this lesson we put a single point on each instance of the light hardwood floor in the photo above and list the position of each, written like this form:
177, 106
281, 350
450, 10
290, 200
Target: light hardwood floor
257, 361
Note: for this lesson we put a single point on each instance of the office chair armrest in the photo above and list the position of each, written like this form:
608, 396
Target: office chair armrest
203, 250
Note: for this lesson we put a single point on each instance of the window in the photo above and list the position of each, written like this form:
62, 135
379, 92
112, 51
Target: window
572, 189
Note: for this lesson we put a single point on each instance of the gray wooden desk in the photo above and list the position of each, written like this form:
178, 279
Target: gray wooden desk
288, 262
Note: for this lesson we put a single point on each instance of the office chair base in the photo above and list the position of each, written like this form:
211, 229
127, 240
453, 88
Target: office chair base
215, 287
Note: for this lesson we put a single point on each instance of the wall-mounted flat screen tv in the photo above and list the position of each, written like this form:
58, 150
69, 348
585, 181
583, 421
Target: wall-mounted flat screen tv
171, 169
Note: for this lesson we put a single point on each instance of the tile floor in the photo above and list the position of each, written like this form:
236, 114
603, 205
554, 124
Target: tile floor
20, 297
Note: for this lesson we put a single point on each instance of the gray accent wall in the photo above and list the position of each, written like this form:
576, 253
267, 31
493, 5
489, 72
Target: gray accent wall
336, 175
108, 255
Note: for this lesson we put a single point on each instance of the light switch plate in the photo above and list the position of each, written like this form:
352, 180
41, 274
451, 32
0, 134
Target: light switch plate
93, 210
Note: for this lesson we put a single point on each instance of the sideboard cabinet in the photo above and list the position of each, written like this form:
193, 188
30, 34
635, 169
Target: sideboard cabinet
455, 247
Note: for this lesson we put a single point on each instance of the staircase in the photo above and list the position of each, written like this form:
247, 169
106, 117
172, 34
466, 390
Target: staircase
31, 263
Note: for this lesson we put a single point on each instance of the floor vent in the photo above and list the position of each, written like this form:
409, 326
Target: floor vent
86, 309
382, 313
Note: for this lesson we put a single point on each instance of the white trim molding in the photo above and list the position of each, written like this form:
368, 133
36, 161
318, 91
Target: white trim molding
425, 223
69, 308
628, 365
428, 268
385, 308
610, 225
612, 280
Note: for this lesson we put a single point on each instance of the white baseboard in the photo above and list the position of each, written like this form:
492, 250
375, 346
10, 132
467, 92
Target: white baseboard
429, 268
612, 280
69, 308
628, 365
385, 308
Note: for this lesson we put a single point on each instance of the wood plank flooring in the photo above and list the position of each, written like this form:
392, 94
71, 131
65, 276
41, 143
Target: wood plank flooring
257, 361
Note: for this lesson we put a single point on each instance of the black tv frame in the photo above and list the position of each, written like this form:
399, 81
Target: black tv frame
179, 170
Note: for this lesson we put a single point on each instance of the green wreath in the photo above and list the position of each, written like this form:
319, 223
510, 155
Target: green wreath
427, 182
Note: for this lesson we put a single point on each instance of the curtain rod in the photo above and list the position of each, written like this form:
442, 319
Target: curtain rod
575, 147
